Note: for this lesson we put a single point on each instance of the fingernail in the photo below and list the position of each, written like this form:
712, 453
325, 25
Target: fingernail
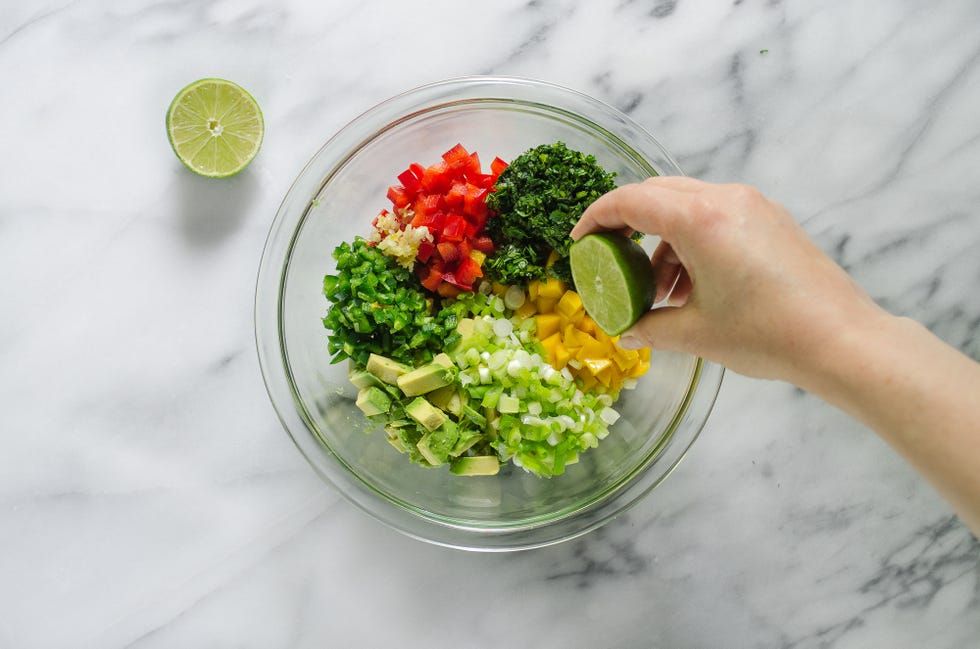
630, 342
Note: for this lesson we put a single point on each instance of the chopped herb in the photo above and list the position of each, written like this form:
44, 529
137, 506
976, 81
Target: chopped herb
537, 200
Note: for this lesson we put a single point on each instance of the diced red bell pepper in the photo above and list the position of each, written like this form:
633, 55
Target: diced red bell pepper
426, 204
497, 166
409, 181
399, 196
456, 157
417, 170
436, 179
433, 279
475, 201
483, 244
425, 250
449, 251
484, 181
467, 272
454, 197
454, 229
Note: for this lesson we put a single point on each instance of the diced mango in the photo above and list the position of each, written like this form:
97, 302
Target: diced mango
571, 336
553, 288
639, 369
552, 258
551, 342
478, 256
498, 288
547, 324
532, 289
587, 325
597, 365
644, 353
562, 356
546, 304
569, 304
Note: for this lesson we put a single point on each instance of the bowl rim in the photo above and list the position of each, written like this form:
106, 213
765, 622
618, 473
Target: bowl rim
703, 386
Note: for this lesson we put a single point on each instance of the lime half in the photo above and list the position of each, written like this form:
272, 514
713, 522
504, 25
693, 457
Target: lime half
215, 127
614, 278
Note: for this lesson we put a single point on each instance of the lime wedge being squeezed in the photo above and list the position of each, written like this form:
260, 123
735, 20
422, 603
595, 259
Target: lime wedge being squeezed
215, 127
614, 279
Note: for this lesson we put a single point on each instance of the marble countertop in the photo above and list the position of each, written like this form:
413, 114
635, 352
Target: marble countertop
148, 494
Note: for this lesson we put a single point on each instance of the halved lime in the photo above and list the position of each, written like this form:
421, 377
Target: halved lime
215, 127
614, 278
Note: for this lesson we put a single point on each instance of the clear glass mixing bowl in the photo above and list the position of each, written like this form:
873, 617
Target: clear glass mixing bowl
333, 199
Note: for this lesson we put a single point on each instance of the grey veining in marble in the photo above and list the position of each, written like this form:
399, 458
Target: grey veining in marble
148, 496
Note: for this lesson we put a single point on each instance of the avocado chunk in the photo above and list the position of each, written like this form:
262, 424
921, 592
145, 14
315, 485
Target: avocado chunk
425, 413
474, 416
465, 327
386, 369
427, 378
436, 445
475, 465
372, 400
440, 396
362, 378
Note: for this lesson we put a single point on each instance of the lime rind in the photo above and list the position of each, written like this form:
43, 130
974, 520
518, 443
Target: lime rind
215, 127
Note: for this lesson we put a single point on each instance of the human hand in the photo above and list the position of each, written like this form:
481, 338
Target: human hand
750, 289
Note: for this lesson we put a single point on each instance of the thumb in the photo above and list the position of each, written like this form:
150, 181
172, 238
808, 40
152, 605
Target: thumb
667, 328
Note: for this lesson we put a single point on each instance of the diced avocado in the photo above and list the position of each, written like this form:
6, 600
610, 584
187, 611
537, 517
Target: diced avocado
508, 404
386, 369
465, 442
465, 327
372, 400
441, 396
476, 465
427, 378
397, 442
474, 416
425, 413
363, 378
443, 359
436, 445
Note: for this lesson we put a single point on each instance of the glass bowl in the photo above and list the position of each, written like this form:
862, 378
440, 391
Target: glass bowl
335, 198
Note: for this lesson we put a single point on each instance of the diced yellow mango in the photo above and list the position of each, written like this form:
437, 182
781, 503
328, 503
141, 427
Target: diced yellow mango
622, 362
498, 288
552, 258
592, 348
639, 369
571, 336
547, 324
553, 288
644, 353
526, 310
546, 304
532, 289
562, 355
551, 342
588, 380
569, 304
478, 256
597, 365
587, 325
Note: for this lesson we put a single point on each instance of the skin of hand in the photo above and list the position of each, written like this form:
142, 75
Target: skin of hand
758, 295
748, 288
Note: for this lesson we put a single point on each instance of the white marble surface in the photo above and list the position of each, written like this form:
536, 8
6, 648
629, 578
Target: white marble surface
148, 496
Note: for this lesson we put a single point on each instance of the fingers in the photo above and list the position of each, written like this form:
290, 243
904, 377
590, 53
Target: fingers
666, 328
654, 206
666, 269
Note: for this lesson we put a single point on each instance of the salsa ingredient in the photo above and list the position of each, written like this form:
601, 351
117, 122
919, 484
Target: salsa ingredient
615, 279
377, 307
215, 127
448, 202
537, 200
